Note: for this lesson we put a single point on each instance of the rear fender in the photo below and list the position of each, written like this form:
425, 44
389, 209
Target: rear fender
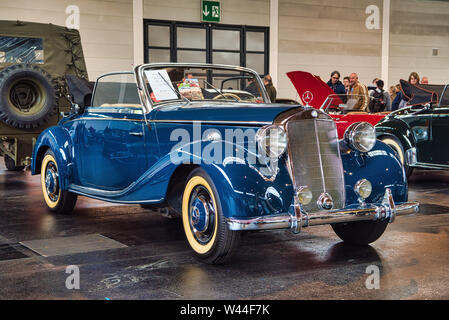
58, 140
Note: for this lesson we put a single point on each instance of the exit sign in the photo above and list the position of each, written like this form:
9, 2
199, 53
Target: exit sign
210, 11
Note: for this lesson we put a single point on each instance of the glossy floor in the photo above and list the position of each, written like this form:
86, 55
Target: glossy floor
412, 256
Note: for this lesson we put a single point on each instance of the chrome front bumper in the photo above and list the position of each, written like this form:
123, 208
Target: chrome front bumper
387, 210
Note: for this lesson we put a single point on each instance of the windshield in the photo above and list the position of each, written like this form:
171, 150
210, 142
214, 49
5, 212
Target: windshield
350, 103
198, 83
116, 90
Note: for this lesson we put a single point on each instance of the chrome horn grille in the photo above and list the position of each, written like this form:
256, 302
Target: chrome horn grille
315, 158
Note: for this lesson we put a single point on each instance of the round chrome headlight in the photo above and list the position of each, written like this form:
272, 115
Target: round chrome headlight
361, 136
363, 188
304, 195
272, 141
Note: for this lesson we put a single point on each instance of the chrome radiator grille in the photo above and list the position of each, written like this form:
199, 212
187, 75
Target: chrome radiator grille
315, 159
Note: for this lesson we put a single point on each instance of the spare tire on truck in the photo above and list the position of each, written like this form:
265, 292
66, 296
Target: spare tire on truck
28, 96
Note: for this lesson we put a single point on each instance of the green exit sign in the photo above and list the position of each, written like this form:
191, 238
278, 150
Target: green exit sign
210, 11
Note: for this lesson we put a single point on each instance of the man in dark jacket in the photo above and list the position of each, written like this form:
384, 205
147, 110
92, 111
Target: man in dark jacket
271, 90
335, 84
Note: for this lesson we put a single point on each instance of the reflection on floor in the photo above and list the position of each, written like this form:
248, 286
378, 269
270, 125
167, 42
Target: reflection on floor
146, 256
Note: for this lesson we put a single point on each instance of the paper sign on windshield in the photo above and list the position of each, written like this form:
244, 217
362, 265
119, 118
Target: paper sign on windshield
161, 84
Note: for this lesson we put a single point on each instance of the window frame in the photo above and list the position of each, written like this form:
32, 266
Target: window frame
209, 27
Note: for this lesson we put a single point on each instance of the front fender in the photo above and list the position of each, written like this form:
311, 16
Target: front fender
380, 166
58, 140
396, 128
246, 192
245, 189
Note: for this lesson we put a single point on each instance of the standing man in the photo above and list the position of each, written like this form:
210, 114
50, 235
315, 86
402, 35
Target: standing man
380, 98
346, 84
268, 82
357, 88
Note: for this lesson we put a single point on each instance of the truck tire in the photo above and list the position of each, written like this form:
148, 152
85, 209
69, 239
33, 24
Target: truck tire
11, 166
28, 96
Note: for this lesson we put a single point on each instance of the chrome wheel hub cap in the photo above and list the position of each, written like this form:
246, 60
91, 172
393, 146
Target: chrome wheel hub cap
201, 215
51, 181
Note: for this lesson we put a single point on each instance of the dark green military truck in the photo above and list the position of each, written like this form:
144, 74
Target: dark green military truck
35, 62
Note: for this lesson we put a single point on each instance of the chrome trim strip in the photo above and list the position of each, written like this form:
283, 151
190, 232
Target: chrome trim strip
215, 122
178, 121
426, 165
319, 156
109, 119
387, 210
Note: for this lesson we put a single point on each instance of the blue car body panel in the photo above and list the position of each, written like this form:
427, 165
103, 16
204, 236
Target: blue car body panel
122, 156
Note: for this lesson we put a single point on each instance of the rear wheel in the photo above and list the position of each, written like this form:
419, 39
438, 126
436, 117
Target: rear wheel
56, 200
203, 220
394, 143
360, 232
11, 165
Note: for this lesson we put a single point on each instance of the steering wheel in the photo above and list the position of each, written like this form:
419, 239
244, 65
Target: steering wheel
226, 96
334, 108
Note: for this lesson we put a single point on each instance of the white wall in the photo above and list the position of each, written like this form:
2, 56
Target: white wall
323, 36
416, 28
105, 28
246, 12
318, 36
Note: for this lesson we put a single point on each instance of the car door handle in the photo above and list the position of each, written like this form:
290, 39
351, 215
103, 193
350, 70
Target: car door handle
137, 134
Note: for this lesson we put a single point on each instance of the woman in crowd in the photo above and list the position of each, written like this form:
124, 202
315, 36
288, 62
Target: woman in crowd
400, 101
335, 84
393, 92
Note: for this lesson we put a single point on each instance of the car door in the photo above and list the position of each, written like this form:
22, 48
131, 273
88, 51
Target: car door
439, 150
113, 151
419, 120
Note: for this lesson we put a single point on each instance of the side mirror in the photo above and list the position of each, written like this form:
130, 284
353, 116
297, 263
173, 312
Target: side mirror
75, 108
422, 108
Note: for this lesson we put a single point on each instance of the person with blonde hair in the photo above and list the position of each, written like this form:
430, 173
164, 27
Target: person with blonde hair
393, 92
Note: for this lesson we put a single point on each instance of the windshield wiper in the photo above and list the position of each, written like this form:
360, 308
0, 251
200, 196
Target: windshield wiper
176, 92
220, 93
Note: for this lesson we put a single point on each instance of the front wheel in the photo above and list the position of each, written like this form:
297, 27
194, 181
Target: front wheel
203, 220
360, 232
56, 200
397, 147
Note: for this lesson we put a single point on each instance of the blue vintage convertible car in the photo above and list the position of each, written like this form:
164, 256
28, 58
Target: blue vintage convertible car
205, 141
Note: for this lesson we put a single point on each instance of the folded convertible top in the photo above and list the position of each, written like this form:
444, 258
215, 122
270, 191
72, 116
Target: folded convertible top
425, 93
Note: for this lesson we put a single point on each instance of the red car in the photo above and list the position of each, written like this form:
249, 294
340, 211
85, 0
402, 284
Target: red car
342, 108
